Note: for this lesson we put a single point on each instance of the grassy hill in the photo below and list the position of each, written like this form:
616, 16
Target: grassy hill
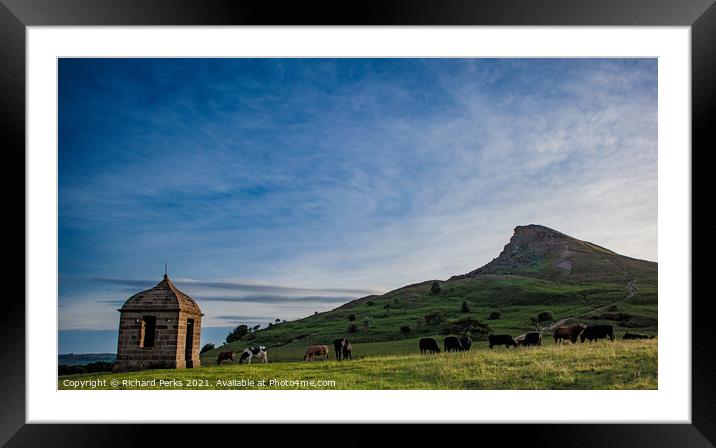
539, 270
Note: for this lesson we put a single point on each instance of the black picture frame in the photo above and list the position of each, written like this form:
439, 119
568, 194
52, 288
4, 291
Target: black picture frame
700, 15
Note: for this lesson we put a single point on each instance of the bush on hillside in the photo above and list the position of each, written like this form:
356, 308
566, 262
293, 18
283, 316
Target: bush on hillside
435, 288
494, 315
405, 329
207, 347
464, 308
466, 325
433, 318
352, 328
351, 317
238, 333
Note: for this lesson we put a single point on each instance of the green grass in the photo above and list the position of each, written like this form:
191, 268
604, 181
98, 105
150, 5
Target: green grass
396, 365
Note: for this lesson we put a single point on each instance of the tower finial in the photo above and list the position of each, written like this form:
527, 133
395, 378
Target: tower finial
165, 268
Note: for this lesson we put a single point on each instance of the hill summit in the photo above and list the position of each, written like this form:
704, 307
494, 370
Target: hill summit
540, 252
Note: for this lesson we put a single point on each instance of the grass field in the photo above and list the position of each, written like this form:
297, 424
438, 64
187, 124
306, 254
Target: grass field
395, 365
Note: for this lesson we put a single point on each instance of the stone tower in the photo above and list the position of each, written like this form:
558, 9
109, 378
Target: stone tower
159, 328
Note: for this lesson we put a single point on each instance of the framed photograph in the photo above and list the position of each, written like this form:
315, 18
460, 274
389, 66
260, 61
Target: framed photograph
484, 217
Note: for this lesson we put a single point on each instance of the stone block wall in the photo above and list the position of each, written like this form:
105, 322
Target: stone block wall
181, 341
169, 342
161, 355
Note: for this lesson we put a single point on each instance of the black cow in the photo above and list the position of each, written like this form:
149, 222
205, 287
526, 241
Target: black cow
501, 339
452, 344
428, 345
594, 332
340, 346
465, 343
636, 336
532, 338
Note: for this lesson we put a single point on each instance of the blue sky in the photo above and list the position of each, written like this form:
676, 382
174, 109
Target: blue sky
279, 187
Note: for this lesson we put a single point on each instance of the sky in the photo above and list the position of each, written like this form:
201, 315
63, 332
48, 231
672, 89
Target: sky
275, 188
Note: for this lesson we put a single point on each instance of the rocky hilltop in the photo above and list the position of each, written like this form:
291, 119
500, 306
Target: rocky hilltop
540, 252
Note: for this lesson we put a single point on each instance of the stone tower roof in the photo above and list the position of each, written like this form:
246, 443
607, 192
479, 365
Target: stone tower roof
163, 297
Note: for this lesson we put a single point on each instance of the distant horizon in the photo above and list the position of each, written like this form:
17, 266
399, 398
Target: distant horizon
275, 188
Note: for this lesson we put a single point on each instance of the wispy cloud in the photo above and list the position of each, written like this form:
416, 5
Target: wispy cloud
237, 318
275, 299
237, 286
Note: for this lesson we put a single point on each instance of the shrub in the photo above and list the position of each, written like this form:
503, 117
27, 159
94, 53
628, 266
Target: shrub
544, 316
435, 288
207, 347
251, 336
238, 333
433, 318
352, 328
370, 303
494, 315
466, 325
367, 322
464, 308
612, 308
351, 317
405, 329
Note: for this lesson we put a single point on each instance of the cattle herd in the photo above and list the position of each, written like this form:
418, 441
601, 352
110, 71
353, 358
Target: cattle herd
343, 348
562, 334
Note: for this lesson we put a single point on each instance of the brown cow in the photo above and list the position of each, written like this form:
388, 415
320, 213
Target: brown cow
316, 350
568, 332
226, 355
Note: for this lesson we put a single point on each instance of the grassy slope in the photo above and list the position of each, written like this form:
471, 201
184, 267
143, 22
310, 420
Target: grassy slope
602, 365
517, 298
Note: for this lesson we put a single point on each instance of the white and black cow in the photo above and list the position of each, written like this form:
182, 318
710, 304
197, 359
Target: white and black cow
258, 352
